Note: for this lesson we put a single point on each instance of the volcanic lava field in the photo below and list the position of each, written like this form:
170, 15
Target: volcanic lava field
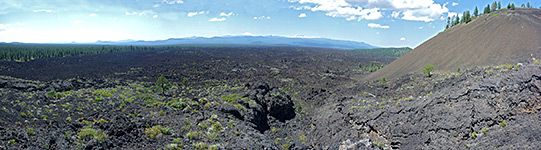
262, 98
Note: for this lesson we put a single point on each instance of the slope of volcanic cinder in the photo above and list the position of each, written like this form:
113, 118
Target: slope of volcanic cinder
504, 37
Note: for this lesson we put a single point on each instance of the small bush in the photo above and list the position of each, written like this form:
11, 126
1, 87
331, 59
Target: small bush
201, 145
484, 131
383, 80
157, 130
427, 71
177, 140
192, 135
30, 131
503, 124
458, 70
474, 135
88, 132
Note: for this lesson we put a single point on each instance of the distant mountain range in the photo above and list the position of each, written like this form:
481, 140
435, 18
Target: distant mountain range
250, 41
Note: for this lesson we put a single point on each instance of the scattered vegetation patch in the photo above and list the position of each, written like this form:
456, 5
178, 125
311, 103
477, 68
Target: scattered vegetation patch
157, 130
89, 133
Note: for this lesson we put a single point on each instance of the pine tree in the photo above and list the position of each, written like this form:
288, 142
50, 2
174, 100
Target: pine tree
499, 5
528, 5
162, 85
457, 20
446, 26
513, 6
467, 17
509, 6
487, 9
494, 6
475, 12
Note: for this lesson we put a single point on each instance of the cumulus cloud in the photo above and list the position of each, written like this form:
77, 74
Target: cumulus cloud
149, 13
302, 15
454, 4
402, 39
191, 14
375, 25
223, 14
417, 10
217, 19
262, 17
339, 8
171, 2
92, 15
247, 34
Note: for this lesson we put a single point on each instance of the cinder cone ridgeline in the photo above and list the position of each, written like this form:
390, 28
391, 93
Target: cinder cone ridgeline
504, 37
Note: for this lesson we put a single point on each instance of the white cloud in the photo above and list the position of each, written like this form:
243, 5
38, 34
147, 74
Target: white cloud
431, 13
130, 13
262, 17
172, 2
420, 27
247, 34
375, 25
149, 13
4, 27
302, 15
223, 14
217, 19
453, 14
78, 21
340, 8
43, 10
191, 14
454, 4
402, 39
92, 15
303, 36
395, 14
417, 10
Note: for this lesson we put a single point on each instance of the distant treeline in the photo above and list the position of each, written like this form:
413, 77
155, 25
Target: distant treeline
389, 52
468, 17
26, 52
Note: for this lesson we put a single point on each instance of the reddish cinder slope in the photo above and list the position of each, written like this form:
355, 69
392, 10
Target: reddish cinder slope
504, 37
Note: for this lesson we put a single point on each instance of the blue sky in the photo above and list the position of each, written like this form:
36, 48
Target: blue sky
377, 22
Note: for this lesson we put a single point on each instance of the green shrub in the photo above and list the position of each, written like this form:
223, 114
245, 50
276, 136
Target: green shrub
458, 70
192, 135
30, 131
503, 124
428, 70
474, 135
484, 131
177, 140
88, 132
157, 130
201, 145
383, 80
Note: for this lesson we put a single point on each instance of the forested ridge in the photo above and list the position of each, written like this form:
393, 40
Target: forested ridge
27, 52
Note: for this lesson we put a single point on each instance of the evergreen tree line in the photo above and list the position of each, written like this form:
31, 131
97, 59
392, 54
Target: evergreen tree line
26, 52
467, 17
